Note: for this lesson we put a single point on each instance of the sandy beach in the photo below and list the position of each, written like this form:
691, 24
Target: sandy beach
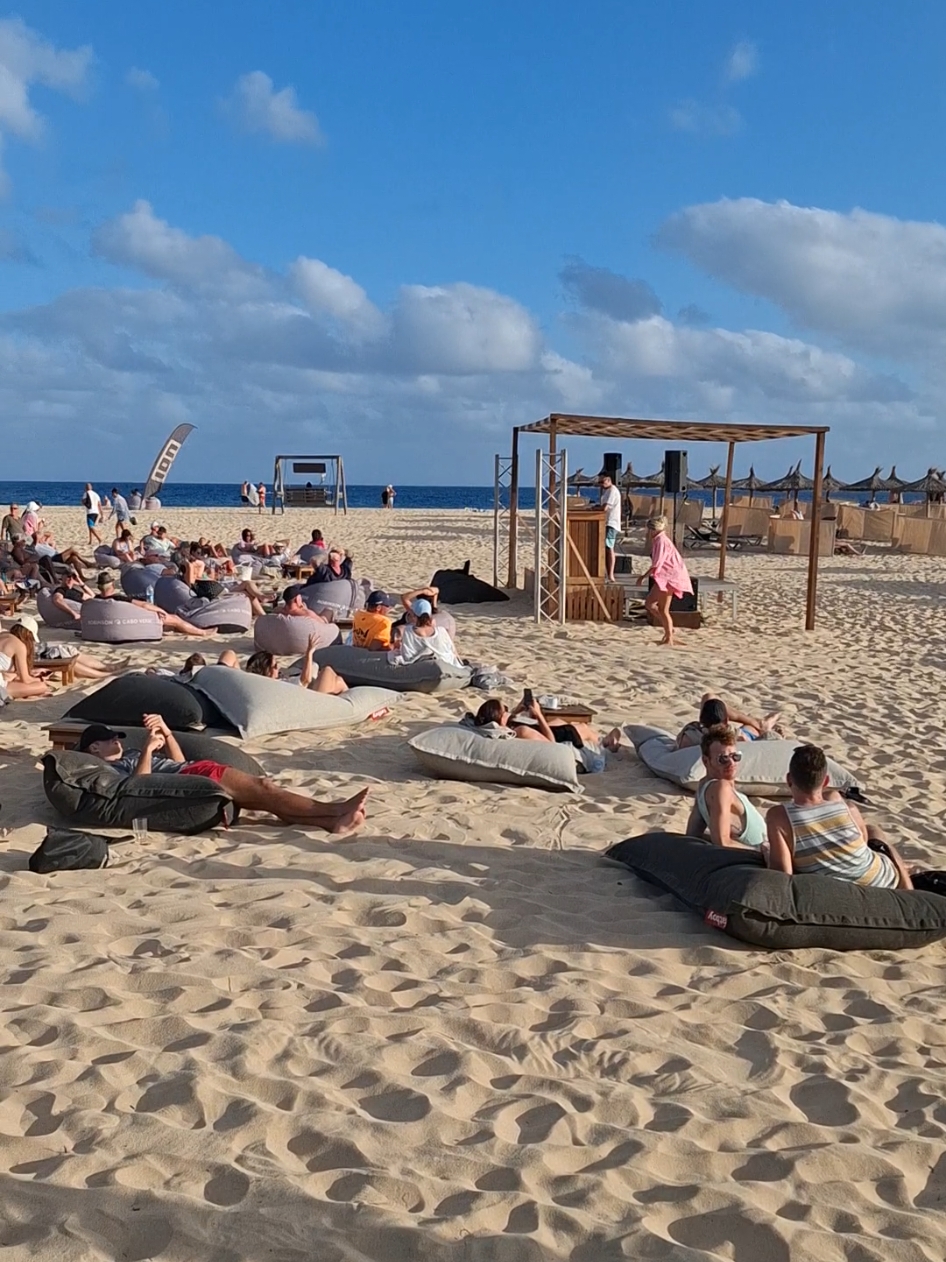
461, 1035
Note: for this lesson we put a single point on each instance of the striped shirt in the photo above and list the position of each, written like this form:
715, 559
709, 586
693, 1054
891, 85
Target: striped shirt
829, 842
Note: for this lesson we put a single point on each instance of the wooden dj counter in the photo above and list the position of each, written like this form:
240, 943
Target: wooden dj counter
586, 596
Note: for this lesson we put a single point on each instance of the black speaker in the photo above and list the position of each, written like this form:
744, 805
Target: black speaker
675, 472
687, 603
611, 465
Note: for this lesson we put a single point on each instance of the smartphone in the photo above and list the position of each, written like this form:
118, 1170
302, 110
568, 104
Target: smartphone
527, 697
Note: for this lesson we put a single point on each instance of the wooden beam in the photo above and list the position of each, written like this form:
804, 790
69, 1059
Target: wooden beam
814, 544
727, 498
581, 561
512, 574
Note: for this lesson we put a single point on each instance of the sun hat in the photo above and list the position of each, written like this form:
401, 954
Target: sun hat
32, 507
29, 623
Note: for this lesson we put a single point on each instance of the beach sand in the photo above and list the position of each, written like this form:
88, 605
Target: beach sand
461, 1035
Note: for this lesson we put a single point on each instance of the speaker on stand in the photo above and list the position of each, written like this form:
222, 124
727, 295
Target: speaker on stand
675, 481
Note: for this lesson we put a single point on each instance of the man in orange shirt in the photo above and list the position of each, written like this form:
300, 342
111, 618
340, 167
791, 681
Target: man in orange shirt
371, 626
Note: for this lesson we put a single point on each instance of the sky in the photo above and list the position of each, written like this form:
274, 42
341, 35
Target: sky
394, 231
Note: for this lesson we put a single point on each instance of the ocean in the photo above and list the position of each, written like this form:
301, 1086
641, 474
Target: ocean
227, 495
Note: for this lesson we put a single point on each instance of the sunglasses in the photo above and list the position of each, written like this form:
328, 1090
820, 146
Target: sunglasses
723, 760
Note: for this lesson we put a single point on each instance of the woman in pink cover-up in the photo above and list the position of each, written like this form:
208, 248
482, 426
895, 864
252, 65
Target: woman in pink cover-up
669, 574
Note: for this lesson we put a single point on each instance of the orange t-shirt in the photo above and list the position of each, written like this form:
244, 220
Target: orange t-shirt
367, 627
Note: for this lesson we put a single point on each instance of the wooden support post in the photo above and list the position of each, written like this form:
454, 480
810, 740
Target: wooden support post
512, 574
814, 545
727, 497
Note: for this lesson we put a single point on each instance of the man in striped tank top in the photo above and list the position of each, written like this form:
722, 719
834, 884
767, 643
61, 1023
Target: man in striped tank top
819, 832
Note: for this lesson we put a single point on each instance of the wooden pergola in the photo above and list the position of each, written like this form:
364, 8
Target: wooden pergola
674, 433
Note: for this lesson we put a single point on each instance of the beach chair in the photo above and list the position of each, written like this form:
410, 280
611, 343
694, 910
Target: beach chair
702, 536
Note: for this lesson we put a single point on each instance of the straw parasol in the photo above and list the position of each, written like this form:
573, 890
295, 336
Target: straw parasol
830, 483
932, 485
873, 484
750, 483
714, 481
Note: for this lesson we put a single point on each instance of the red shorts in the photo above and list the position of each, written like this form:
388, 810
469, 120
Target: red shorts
204, 767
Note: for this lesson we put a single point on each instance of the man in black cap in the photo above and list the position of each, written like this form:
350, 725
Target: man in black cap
293, 606
371, 626
252, 793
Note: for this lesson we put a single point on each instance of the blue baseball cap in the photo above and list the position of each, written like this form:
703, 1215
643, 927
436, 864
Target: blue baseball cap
421, 605
380, 600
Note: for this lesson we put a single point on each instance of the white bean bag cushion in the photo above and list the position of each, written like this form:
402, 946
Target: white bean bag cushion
232, 613
106, 558
136, 579
762, 770
459, 753
113, 622
52, 616
257, 706
288, 637
172, 594
252, 559
340, 598
444, 619
363, 666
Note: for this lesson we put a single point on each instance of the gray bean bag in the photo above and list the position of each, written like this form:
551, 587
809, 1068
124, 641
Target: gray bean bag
171, 594
230, 614
52, 616
288, 637
113, 622
256, 706
340, 598
89, 794
459, 753
312, 554
106, 559
736, 893
762, 770
363, 666
136, 579
444, 619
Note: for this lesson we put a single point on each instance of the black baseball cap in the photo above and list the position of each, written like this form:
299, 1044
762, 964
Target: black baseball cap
291, 592
380, 600
96, 732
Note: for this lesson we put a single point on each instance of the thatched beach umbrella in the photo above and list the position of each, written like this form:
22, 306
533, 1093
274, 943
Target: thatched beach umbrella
873, 484
932, 485
750, 483
714, 481
830, 483
580, 478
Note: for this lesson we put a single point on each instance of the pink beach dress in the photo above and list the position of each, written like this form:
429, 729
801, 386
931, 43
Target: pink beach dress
667, 566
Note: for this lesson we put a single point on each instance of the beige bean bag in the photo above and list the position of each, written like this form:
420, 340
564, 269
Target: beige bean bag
114, 622
460, 753
52, 616
286, 636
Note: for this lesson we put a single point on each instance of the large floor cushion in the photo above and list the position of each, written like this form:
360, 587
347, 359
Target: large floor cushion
51, 615
256, 706
172, 593
286, 636
340, 598
312, 554
123, 702
363, 666
459, 753
762, 770
106, 559
90, 794
231, 614
460, 587
735, 892
112, 622
137, 579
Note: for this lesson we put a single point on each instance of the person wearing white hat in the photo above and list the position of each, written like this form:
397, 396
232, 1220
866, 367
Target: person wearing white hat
26, 629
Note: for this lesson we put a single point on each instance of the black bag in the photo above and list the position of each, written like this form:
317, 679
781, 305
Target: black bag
86, 502
63, 849
208, 588
929, 882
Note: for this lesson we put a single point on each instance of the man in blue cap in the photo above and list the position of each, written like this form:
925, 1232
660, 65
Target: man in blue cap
371, 626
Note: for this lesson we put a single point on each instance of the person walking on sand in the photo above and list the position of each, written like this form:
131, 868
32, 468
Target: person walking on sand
670, 576
244, 493
261, 492
92, 503
252, 793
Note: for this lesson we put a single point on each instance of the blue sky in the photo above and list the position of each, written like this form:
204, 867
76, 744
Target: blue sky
398, 230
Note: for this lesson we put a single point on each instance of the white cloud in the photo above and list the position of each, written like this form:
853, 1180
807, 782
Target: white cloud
877, 282
26, 59
141, 80
325, 291
705, 120
433, 381
256, 107
742, 62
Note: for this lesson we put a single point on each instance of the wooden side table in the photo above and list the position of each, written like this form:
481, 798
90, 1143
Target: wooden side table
65, 669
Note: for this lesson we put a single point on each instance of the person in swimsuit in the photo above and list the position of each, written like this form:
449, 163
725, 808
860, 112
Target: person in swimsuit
589, 746
720, 809
715, 712
253, 793
820, 832
16, 679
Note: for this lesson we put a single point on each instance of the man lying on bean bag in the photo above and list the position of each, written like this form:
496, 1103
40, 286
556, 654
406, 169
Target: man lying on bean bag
253, 793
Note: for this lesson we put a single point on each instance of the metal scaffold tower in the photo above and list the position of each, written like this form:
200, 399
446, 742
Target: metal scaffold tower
501, 513
551, 535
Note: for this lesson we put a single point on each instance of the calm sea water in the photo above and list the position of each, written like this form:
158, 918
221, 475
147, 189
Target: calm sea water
227, 495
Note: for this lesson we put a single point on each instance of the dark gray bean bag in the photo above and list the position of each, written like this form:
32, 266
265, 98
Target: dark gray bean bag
89, 794
200, 745
136, 579
114, 622
735, 892
288, 637
312, 554
231, 614
460, 587
340, 598
123, 702
364, 667
171, 594
52, 616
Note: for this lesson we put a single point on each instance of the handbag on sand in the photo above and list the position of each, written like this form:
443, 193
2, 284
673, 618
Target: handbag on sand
64, 849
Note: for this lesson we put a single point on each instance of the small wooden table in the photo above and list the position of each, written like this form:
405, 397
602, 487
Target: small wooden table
65, 733
572, 710
296, 569
9, 605
64, 667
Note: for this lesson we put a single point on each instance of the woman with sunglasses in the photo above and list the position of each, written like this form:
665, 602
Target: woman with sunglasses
720, 809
